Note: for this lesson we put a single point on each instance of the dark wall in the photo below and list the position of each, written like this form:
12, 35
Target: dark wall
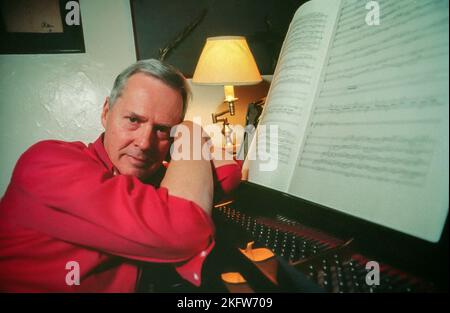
157, 24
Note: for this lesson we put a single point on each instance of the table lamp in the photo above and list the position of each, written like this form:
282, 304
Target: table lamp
227, 61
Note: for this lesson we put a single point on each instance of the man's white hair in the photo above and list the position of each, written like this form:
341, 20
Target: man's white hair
158, 69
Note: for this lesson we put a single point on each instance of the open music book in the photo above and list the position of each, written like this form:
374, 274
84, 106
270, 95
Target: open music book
362, 113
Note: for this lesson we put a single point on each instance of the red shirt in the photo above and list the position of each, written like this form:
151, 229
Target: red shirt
64, 203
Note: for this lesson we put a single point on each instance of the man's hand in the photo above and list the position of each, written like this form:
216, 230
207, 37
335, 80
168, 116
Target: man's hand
189, 174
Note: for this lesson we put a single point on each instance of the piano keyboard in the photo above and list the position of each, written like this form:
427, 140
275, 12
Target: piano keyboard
328, 262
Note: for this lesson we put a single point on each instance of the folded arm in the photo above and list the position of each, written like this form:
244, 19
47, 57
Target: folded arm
58, 190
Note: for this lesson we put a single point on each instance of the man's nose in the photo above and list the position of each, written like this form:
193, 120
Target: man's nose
144, 139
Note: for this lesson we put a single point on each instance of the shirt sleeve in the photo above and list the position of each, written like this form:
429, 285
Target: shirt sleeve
59, 190
229, 176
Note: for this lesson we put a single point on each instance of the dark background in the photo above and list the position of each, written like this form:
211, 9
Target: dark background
157, 23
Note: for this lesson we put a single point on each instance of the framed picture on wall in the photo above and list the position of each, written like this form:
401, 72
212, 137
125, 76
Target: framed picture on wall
40, 26
176, 30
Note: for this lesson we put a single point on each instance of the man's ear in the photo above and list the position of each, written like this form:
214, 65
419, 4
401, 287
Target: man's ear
105, 112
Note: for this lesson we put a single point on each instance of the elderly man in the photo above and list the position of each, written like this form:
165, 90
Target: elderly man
77, 218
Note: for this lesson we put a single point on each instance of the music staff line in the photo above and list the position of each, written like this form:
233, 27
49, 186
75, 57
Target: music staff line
366, 176
364, 52
307, 25
278, 122
403, 174
396, 62
283, 105
394, 104
294, 73
346, 33
302, 35
397, 139
310, 20
384, 85
351, 10
368, 157
278, 98
293, 79
283, 91
297, 63
368, 149
366, 123
348, 25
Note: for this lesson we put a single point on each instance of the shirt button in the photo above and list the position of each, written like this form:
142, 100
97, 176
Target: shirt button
203, 254
196, 276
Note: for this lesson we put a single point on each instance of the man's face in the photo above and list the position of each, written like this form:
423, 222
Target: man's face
137, 127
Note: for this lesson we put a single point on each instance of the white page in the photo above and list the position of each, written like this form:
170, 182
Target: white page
291, 92
377, 143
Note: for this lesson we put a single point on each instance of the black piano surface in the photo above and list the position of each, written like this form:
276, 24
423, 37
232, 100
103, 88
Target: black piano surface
316, 249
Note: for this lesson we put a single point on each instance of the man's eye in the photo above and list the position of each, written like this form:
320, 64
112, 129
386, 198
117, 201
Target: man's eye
133, 119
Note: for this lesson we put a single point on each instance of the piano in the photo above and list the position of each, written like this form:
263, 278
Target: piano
315, 249
307, 248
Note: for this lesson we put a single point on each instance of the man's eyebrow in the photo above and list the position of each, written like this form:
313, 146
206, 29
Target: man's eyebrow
140, 117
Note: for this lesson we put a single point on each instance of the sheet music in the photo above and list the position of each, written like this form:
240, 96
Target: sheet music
377, 141
292, 90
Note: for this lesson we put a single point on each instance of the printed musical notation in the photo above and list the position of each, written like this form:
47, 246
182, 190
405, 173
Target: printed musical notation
402, 103
297, 70
400, 159
362, 111
285, 142
308, 32
363, 56
398, 80
377, 81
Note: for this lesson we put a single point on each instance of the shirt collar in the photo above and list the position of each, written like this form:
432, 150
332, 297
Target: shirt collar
99, 149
